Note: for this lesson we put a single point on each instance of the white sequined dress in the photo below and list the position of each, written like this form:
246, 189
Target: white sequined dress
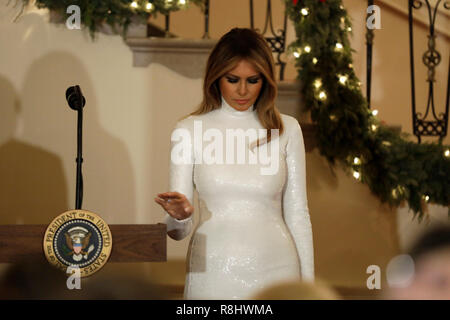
253, 230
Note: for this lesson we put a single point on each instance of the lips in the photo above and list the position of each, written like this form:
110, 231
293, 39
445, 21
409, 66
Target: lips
242, 101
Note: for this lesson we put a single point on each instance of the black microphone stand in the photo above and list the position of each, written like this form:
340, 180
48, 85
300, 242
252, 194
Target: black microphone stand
76, 102
79, 160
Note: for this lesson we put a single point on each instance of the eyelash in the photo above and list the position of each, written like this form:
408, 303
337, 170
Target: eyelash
254, 81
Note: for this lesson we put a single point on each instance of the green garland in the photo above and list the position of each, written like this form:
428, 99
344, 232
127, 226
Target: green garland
348, 133
114, 12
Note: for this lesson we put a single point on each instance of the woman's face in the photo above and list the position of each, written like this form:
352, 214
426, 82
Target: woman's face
240, 87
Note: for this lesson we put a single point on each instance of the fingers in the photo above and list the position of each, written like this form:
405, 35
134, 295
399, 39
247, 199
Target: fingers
170, 195
161, 202
168, 200
168, 204
175, 207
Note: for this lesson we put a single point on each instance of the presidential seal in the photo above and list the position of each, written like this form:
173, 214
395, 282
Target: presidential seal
78, 238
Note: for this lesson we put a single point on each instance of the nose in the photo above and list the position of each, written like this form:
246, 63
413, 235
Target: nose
242, 89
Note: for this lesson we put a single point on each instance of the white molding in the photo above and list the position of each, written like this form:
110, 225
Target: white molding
185, 56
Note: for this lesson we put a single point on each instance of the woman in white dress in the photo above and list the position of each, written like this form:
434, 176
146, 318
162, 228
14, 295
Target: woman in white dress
254, 228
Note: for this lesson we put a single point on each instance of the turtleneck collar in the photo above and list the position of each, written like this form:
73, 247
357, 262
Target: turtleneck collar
226, 108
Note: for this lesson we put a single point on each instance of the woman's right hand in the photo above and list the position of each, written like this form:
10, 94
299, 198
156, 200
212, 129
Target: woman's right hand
175, 204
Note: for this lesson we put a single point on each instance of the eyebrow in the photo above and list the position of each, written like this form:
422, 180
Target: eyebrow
254, 76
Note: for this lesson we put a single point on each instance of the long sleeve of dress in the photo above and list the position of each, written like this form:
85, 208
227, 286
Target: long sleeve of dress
181, 177
295, 204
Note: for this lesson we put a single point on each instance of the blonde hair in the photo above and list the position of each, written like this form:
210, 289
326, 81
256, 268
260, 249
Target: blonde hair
234, 46
298, 290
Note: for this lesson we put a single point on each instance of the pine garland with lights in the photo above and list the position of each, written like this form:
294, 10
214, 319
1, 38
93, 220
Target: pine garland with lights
348, 132
115, 12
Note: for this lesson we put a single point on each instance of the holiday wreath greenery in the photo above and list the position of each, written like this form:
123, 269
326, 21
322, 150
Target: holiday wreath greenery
115, 13
348, 132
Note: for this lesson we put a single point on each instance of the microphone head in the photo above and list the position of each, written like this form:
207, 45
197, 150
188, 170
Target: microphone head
75, 98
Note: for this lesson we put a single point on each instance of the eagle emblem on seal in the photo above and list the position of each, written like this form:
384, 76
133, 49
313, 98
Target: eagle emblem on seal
77, 240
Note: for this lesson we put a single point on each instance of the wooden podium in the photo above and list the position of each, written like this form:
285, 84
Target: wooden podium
131, 242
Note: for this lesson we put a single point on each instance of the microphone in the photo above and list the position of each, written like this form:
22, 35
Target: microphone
75, 98
76, 102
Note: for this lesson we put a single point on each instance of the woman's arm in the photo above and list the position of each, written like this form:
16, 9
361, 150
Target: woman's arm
181, 177
295, 203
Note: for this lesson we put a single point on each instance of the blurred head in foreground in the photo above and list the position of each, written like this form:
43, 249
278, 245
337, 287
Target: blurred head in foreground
430, 277
298, 290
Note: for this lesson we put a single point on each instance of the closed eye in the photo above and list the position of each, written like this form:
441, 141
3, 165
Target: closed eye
252, 81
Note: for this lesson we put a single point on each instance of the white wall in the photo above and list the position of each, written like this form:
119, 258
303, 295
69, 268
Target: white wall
126, 118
